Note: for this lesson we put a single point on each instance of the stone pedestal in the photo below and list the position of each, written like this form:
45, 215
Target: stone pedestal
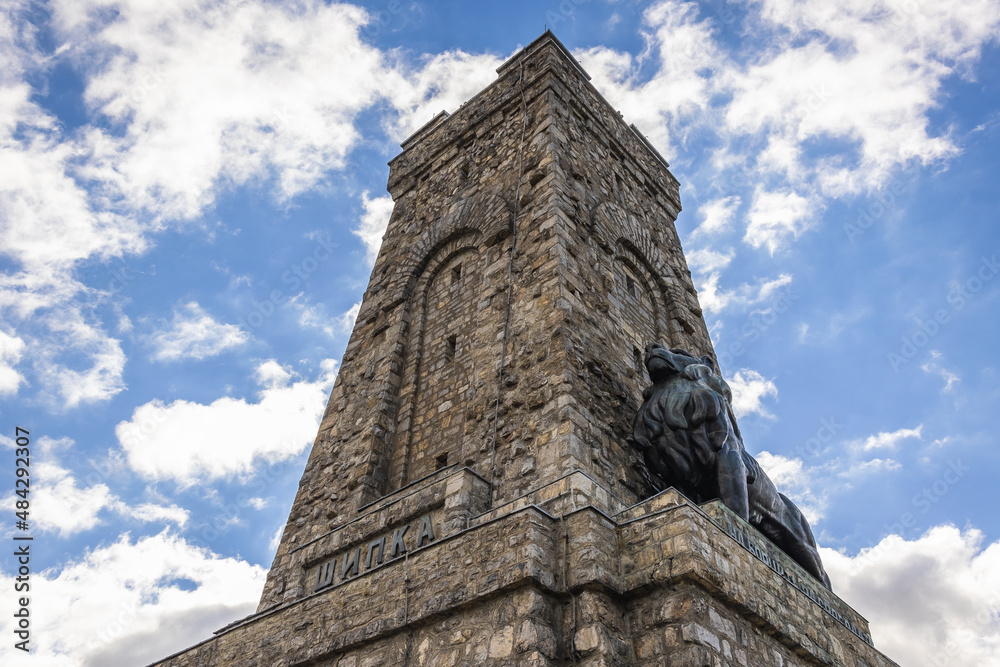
564, 575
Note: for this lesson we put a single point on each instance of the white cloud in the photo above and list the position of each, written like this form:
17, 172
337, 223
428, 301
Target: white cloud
272, 375
188, 441
750, 388
442, 82
276, 538
346, 320
48, 224
835, 102
316, 317
865, 72
257, 503
79, 361
11, 348
775, 217
193, 334
704, 260
151, 512
132, 602
667, 105
373, 223
889, 439
796, 481
713, 299
814, 487
217, 95
934, 367
717, 216
932, 601
61, 506
870, 466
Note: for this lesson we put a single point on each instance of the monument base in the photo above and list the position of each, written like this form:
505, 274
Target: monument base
564, 575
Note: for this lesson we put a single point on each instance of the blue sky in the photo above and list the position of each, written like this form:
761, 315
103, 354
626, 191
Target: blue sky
191, 196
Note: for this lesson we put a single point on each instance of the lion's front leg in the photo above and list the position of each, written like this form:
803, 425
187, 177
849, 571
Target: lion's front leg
732, 476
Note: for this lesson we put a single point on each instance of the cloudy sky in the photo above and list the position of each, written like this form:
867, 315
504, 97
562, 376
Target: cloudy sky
192, 194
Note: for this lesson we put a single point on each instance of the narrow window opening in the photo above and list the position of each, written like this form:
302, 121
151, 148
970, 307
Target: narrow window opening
630, 285
637, 360
451, 344
441, 461
456, 274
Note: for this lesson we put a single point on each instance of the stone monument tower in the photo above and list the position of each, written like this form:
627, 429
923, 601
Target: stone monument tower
474, 496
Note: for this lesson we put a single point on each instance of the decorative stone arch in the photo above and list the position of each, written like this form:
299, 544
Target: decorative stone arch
461, 243
651, 285
476, 222
624, 234
490, 214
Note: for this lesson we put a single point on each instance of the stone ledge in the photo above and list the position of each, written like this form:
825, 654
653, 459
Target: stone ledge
504, 554
451, 495
567, 494
684, 545
689, 586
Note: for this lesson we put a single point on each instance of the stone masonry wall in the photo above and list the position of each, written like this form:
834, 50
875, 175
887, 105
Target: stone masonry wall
518, 238
658, 583
623, 281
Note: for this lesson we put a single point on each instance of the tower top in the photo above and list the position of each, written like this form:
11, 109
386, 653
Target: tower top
545, 55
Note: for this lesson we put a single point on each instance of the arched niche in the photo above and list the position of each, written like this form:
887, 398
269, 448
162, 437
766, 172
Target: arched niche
439, 360
625, 235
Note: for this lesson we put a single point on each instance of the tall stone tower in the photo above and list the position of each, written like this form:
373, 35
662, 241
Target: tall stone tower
472, 496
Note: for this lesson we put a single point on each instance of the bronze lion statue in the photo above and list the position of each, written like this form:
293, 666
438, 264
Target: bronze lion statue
689, 439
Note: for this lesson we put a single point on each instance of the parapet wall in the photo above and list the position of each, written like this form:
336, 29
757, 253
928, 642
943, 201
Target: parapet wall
661, 582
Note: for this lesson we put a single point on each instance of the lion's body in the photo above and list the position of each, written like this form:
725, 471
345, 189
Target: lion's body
688, 435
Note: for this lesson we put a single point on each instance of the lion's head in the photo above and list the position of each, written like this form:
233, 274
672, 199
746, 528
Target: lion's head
663, 364
686, 397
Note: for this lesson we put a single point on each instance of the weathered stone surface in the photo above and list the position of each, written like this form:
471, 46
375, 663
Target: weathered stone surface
651, 585
532, 229
482, 417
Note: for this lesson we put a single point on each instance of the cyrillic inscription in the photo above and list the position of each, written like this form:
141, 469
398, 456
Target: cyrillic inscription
375, 554
814, 593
